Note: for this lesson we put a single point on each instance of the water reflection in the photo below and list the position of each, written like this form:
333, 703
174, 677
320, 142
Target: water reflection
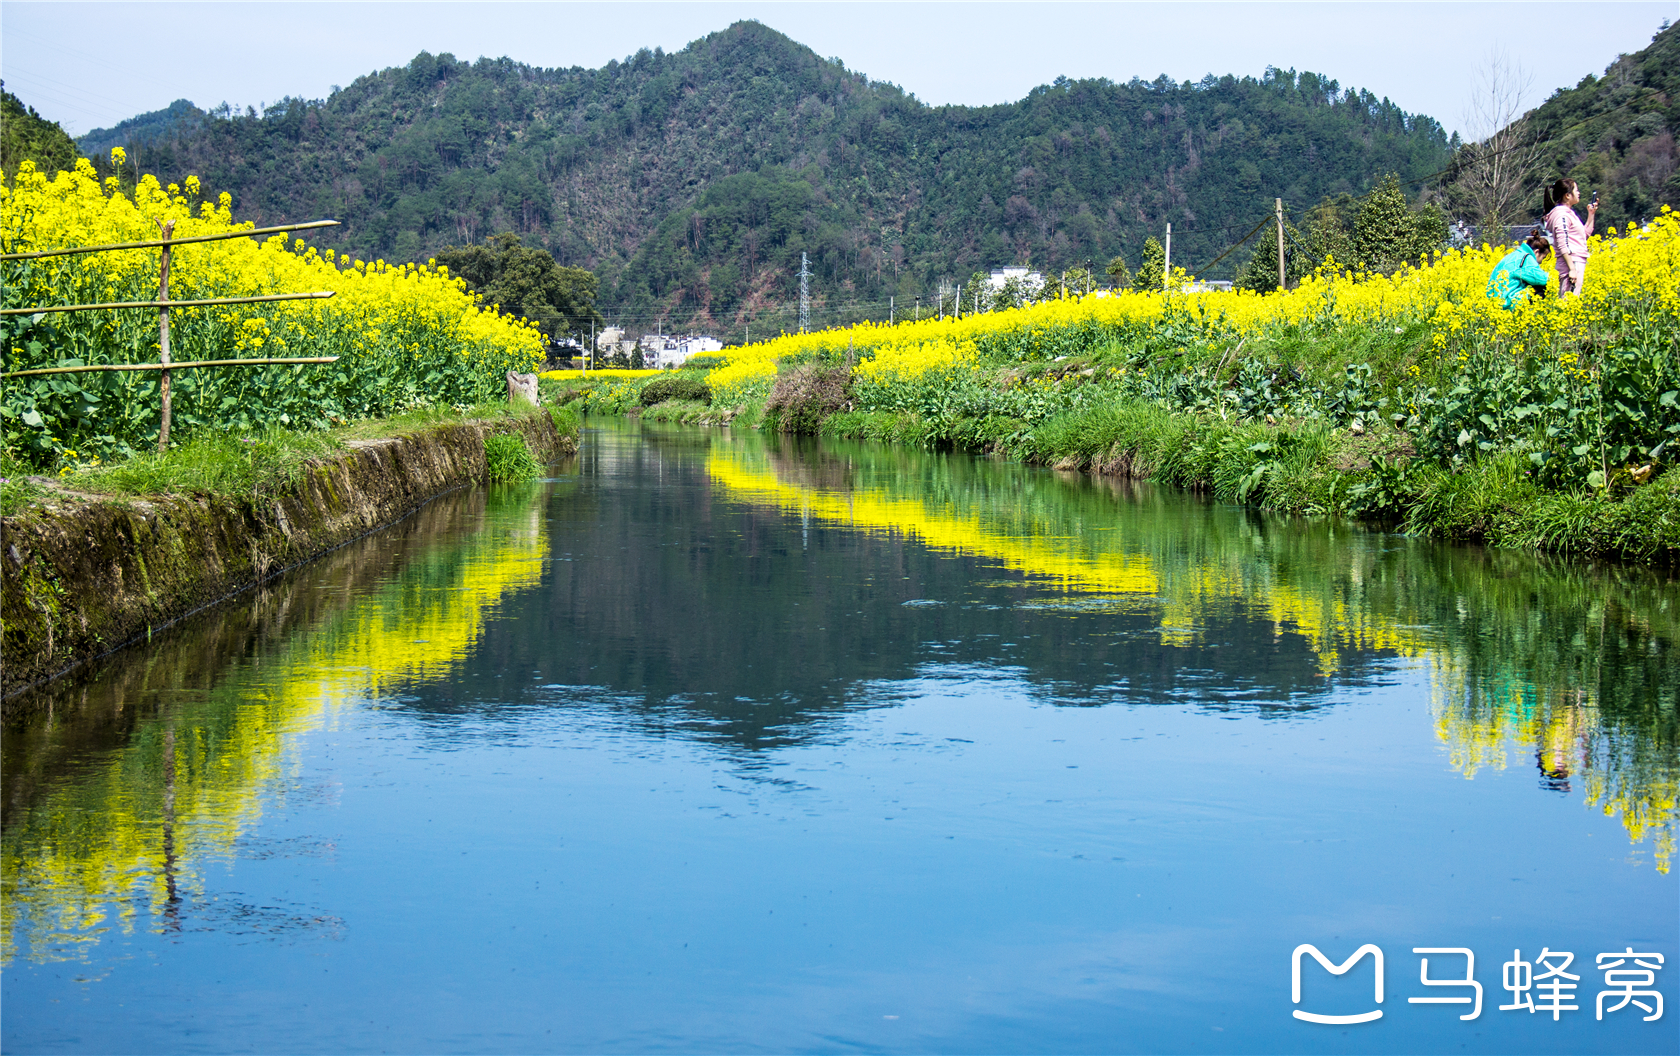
122, 787
751, 595
1572, 665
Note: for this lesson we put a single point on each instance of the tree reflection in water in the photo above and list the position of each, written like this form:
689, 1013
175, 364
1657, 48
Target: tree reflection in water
121, 786
748, 592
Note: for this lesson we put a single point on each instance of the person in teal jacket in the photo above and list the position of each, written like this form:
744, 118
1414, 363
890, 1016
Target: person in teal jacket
1520, 271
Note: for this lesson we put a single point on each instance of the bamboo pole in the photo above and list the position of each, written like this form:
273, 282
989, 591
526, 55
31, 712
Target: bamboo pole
265, 298
166, 241
189, 365
164, 378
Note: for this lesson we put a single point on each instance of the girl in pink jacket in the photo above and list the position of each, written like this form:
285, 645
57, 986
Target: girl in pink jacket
1569, 235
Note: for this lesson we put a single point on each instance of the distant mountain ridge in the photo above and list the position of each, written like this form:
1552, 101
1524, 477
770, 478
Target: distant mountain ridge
26, 135
1618, 133
178, 118
692, 182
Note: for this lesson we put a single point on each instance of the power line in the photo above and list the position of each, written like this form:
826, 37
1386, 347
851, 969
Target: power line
1264, 220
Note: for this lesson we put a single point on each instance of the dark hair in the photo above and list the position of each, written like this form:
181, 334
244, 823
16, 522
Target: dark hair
1538, 242
1557, 192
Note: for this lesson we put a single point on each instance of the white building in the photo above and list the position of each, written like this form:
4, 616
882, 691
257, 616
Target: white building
612, 340
662, 352
1030, 280
699, 345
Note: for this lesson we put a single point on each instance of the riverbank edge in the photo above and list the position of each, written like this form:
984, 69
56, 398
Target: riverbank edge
80, 579
1367, 480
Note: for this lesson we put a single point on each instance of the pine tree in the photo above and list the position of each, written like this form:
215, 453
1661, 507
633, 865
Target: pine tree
1382, 233
1152, 271
1260, 273
1388, 233
1119, 274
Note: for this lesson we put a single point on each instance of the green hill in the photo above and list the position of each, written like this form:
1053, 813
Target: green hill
1616, 133
692, 182
26, 134
142, 131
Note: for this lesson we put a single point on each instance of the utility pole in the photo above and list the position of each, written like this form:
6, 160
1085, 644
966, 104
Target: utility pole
1166, 265
892, 310
804, 293
1283, 276
918, 308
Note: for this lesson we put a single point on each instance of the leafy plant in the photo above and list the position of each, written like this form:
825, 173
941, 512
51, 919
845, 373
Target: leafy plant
676, 385
508, 459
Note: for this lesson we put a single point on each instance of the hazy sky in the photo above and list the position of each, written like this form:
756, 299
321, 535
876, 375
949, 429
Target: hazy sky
89, 65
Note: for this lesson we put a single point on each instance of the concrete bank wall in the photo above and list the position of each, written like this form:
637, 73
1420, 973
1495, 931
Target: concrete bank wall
79, 579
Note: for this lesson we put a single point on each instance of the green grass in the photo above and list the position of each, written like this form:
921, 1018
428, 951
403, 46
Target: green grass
686, 412
214, 464
17, 490
508, 459
252, 463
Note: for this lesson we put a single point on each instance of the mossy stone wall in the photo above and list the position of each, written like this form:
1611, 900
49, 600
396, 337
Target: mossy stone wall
79, 580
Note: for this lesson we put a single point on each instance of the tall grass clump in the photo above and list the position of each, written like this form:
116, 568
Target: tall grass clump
508, 459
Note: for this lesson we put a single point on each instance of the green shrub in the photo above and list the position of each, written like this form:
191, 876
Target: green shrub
804, 395
676, 385
507, 459
568, 420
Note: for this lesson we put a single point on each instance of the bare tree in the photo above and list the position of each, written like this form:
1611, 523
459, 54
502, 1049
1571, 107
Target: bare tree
1495, 173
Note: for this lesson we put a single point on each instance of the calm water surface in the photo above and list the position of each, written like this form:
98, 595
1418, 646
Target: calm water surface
714, 743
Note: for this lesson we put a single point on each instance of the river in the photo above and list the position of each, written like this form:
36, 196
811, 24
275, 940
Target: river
731, 743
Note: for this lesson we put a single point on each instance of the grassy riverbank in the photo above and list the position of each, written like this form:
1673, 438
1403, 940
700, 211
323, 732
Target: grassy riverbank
1411, 400
257, 462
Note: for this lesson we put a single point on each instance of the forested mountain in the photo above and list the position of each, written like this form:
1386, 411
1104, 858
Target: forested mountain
691, 182
141, 131
1616, 133
26, 134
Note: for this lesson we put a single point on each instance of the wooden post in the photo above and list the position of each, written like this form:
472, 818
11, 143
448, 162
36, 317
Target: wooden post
163, 337
1283, 276
1166, 265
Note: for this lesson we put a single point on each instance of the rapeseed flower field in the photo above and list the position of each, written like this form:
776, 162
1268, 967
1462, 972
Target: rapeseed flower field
407, 334
1583, 392
1633, 275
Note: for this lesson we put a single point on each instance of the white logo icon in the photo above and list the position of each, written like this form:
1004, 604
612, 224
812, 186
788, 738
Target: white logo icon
1341, 969
1468, 980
